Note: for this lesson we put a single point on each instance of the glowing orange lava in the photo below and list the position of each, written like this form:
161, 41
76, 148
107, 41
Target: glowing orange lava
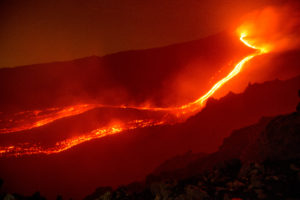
37, 118
259, 50
25, 149
40, 118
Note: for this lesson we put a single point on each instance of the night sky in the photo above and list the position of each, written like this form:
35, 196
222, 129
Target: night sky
35, 31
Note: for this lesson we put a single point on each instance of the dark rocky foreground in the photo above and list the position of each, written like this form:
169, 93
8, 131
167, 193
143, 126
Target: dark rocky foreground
267, 180
261, 161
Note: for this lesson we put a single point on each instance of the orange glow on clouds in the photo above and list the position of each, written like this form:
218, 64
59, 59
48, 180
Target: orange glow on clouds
274, 28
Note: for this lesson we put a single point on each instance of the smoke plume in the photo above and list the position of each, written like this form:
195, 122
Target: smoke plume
274, 28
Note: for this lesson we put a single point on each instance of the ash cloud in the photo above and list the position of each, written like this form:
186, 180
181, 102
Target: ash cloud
275, 27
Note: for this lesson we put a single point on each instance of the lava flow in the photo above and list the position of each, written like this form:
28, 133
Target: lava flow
201, 101
24, 149
181, 111
32, 119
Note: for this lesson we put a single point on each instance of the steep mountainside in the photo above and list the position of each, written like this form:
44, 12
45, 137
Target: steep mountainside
131, 77
261, 161
136, 153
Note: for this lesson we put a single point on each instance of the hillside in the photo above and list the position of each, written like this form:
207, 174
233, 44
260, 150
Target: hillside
261, 161
130, 156
131, 77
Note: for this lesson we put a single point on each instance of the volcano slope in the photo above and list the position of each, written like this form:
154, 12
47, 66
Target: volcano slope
131, 155
131, 77
261, 161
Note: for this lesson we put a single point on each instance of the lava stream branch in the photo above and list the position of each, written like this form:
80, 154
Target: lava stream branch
38, 118
27, 149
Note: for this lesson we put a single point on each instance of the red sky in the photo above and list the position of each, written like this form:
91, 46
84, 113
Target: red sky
35, 31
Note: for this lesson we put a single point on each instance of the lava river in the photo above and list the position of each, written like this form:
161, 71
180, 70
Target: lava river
32, 127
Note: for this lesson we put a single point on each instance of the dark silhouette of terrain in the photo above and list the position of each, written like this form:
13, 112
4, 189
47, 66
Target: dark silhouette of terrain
178, 162
261, 161
130, 156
